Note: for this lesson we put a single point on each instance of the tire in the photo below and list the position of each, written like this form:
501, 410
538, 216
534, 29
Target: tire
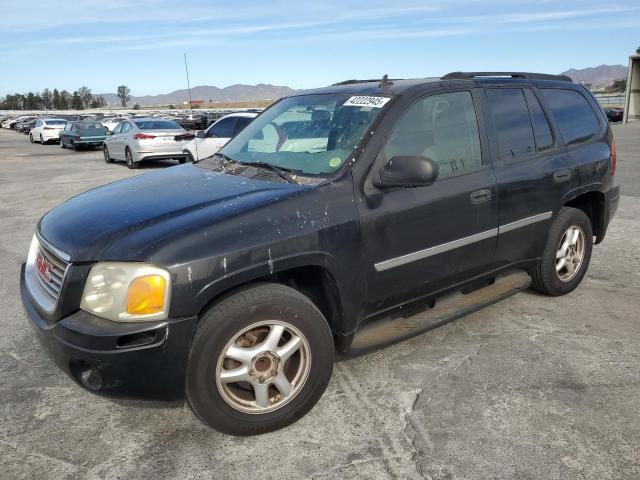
31, 138
129, 159
62, 145
74, 146
551, 275
107, 157
41, 140
188, 158
265, 308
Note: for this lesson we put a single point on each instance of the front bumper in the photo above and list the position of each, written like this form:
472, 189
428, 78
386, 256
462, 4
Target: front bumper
145, 360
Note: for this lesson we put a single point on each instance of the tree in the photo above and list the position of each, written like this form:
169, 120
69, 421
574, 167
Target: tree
136, 107
123, 94
172, 107
85, 96
58, 101
46, 99
98, 102
76, 101
66, 99
619, 85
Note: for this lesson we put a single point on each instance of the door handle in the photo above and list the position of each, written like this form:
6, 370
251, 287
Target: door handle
481, 196
562, 176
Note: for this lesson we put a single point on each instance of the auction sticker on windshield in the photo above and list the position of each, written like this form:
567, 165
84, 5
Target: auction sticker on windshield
366, 101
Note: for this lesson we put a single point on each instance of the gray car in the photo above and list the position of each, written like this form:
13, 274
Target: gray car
137, 139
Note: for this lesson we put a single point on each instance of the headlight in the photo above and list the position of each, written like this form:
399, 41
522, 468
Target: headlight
127, 292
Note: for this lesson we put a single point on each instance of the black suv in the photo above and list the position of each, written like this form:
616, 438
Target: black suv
341, 219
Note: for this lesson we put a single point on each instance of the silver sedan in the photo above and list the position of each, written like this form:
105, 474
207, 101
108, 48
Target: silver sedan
137, 139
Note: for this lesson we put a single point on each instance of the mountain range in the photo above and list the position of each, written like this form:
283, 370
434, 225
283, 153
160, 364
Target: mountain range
601, 76
208, 93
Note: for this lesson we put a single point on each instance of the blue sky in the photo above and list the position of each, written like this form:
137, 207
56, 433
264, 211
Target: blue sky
106, 43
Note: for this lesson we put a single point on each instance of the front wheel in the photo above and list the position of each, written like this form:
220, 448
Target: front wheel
566, 255
260, 360
31, 138
107, 156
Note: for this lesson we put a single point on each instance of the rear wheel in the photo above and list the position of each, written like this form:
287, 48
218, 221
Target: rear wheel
260, 360
41, 140
62, 145
129, 159
107, 157
566, 255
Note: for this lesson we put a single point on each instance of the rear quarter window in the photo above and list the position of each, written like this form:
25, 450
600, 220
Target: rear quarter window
574, 116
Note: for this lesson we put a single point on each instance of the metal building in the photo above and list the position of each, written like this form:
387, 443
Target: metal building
632, 97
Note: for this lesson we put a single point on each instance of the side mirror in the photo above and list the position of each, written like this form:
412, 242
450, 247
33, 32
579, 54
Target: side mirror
407, 171
200, 134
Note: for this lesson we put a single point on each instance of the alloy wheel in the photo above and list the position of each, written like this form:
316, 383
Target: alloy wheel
570, 253
263, 367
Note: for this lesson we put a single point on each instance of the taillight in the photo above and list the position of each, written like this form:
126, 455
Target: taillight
77, 136
143, 136
614, 155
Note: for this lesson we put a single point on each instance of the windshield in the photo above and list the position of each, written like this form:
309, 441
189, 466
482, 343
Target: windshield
55, 122
157, 125
309, 134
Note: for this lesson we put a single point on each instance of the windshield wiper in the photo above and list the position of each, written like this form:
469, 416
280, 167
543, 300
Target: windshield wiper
282, 172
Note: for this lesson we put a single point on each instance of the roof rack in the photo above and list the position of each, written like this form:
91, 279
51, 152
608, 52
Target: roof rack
525, 75
351, 82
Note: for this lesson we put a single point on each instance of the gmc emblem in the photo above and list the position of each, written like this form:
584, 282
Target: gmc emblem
44, 267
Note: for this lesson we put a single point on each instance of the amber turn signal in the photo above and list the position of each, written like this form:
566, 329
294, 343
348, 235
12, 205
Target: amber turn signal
146, 295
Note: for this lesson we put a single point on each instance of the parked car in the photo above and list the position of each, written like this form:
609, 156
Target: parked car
233, 281
11, 122
26, 125
111, 122
85, 134
136, 140
46, 130
194, 121
209, 141
614, 114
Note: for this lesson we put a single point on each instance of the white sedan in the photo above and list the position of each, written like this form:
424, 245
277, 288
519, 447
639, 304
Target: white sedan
209, 141
47, 129
138, 139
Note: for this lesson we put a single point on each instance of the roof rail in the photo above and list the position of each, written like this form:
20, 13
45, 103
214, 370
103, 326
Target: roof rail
351, 82
526, 75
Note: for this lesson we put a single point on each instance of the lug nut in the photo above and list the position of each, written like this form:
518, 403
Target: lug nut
273, 372
261, 378
251, 372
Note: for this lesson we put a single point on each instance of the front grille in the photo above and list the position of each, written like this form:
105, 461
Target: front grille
50, 273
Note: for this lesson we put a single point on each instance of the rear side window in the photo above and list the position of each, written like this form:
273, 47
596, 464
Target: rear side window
242, 122
512, 123
541, 128
573, 114
224, 128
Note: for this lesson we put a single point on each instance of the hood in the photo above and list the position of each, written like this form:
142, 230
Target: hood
116, 221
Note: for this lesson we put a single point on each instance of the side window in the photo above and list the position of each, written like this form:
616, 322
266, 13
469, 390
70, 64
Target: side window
242, 122
541, 128
117, 129
443, 127
223, 129
126, 126
511, 121
573, 114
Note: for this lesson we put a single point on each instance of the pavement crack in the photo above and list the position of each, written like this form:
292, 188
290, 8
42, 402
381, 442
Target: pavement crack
353, 463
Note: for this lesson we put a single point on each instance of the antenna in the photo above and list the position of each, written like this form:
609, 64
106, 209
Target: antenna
186, 69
